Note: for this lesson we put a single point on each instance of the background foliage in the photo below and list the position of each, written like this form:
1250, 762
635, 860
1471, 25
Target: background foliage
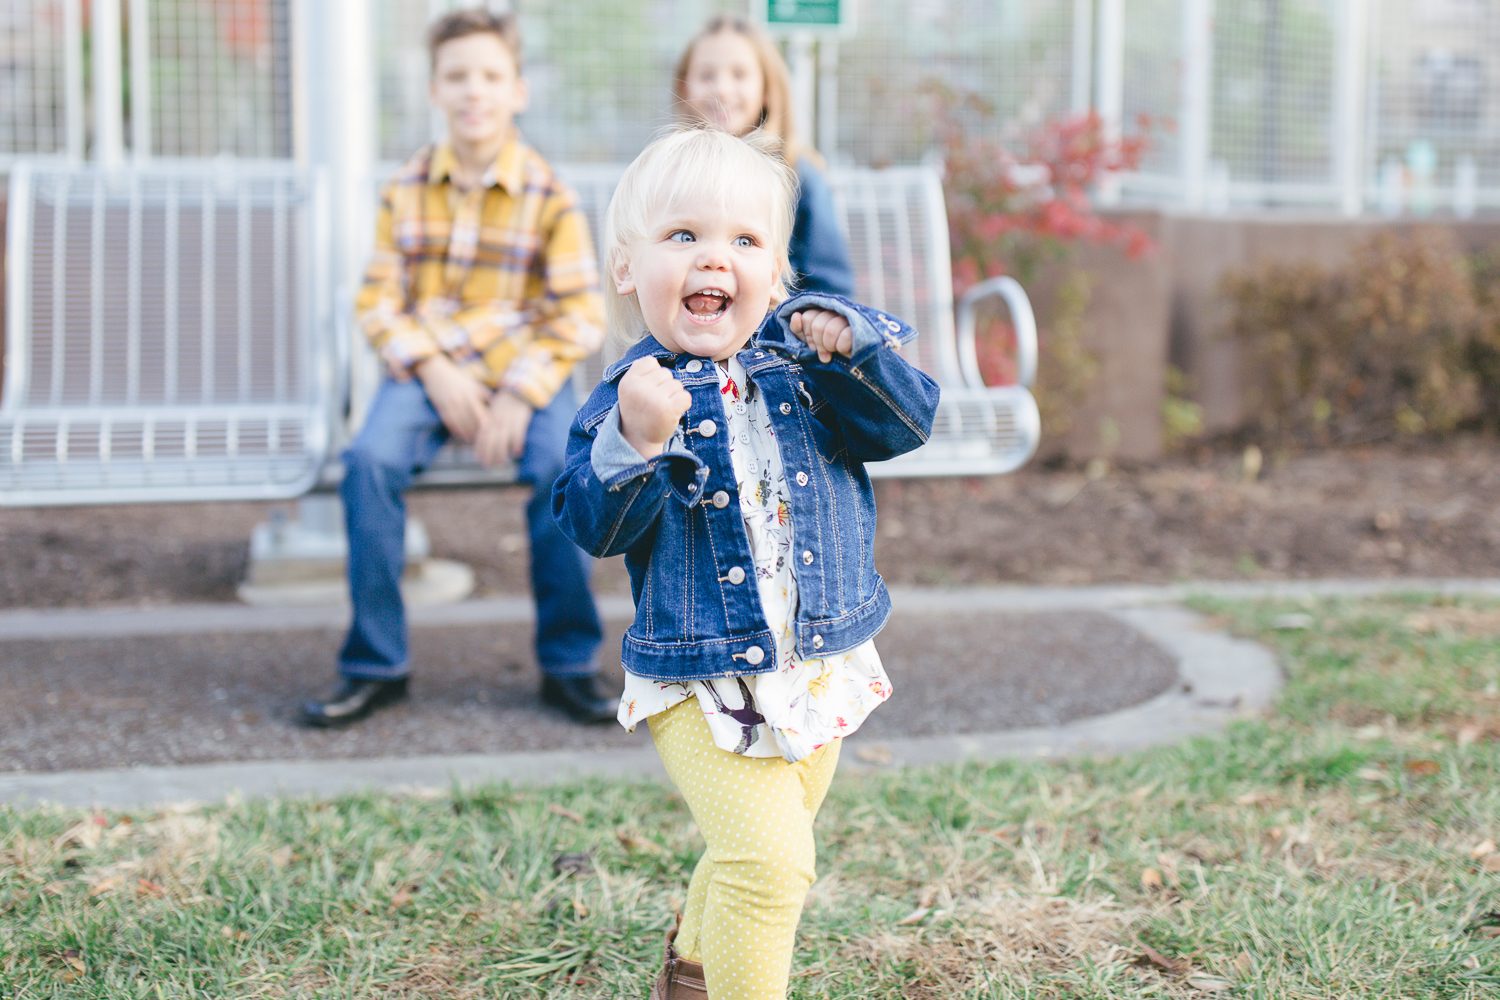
1403, 341
1015, 212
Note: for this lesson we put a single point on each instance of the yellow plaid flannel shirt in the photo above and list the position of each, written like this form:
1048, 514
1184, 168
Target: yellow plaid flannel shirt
501, 278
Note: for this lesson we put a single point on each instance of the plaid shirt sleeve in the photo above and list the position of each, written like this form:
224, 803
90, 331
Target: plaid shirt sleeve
381, 308
561, 324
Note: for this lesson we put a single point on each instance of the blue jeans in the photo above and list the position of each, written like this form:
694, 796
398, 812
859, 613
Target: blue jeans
400, 436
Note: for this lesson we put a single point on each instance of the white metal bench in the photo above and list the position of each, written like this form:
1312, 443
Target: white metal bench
166, 334
169, 334
897, 227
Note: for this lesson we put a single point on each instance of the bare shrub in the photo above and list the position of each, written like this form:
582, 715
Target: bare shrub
1381, 349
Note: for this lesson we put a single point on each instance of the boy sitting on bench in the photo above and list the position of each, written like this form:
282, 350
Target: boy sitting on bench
481, 295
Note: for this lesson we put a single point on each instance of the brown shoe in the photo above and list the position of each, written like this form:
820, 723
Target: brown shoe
679, 980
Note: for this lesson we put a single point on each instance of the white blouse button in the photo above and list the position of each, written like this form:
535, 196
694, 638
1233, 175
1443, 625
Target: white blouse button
693, 366
817, 642
708, 428
801, 479
721, 499
786, 407
736, 575
807, 558
754, 655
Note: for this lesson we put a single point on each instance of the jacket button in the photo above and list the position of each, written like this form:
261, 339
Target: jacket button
721, 499
708, 428
786, 408
817, 642
754, 655
736, 575
801, 479
693, 366
807, 558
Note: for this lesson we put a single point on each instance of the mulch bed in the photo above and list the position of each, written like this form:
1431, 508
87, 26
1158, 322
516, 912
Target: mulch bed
1425, 510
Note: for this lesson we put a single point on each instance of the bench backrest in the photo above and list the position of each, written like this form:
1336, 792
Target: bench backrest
163, 334
897, 228
170, 336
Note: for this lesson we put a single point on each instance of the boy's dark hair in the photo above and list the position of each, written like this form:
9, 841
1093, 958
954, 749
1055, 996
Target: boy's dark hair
476, 20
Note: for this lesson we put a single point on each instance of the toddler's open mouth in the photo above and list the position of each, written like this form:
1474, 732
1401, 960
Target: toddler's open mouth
709, 303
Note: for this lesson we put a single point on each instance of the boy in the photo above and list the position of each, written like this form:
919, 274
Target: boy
480, 296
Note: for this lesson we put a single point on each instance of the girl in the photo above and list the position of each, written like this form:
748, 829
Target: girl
732, 75
724, 455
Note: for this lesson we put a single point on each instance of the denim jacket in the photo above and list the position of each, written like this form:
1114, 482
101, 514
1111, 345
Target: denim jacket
676, 517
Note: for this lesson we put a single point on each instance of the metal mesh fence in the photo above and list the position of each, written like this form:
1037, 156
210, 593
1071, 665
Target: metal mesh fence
34, 78
1152, 85
1435, 95
1273, 91
1014, 56
221, 78
1390, 104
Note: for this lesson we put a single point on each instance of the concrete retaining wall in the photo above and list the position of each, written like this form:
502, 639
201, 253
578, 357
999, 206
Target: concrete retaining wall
1166, 309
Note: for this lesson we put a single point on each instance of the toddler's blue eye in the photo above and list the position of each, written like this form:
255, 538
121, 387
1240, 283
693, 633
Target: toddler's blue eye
681, 236
744, 241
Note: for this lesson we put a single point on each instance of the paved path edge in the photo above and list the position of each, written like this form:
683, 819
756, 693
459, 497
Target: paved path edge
21, 624
1220, 677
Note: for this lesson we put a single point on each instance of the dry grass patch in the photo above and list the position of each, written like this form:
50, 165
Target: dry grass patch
963, 944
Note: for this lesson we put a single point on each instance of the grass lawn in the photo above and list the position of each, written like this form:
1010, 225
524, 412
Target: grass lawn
1344, 846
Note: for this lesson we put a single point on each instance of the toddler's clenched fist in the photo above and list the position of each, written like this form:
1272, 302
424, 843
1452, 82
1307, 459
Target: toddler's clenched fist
824, 331
652, 401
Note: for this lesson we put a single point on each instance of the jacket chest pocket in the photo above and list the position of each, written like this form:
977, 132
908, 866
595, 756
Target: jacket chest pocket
826, 441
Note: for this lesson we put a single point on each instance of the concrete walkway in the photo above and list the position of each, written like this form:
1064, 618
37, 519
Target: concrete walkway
1191, 680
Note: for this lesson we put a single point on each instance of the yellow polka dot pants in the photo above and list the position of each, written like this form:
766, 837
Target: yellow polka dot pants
756, 815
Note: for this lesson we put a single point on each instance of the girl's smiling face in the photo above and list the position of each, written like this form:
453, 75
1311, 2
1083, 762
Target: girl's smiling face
704, 273
725, 83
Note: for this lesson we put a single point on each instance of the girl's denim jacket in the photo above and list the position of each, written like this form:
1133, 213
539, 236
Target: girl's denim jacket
677, 517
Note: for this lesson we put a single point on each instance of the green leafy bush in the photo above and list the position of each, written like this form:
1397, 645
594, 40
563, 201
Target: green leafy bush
1400, 342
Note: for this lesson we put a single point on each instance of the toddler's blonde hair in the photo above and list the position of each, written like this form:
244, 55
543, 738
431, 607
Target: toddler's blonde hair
691, 162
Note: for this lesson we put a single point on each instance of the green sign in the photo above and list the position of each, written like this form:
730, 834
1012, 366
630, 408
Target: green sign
806, 13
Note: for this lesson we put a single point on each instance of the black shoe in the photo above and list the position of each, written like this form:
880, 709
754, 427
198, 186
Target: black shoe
580, 698
351, 701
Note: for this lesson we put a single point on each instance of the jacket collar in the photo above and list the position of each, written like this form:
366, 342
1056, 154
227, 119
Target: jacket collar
646, 347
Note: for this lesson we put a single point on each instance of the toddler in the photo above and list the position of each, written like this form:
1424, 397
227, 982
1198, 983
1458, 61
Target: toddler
723, 455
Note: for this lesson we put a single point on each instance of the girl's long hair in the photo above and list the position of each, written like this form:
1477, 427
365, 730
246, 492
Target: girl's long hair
776, 117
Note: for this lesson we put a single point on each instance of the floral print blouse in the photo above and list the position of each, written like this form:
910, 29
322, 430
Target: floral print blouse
802, 704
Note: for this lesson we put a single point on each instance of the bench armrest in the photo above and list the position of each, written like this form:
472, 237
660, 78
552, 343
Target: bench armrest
1021, 317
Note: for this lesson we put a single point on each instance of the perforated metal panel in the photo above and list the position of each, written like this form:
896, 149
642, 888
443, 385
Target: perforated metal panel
163, 335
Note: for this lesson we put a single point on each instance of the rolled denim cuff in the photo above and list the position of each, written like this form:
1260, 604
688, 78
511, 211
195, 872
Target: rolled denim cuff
616, 462
873, 330
611, 454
